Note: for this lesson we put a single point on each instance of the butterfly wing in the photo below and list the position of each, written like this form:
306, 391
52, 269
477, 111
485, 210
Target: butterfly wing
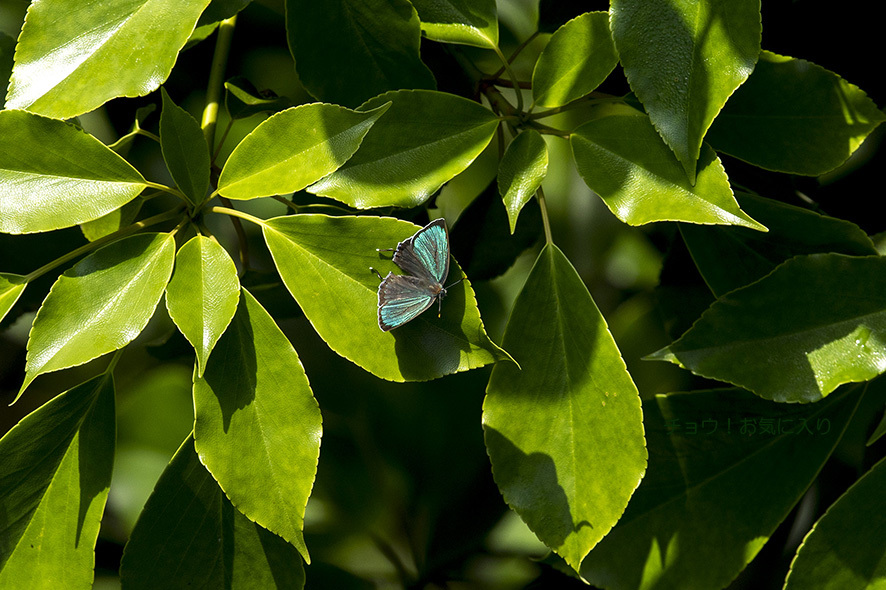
401, 298
426, 254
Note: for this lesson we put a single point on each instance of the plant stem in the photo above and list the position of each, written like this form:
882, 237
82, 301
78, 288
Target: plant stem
546, 222
240, 214
216, 78
513, 78
121, 233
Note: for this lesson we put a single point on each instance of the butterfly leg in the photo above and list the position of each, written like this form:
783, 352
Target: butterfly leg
378, 274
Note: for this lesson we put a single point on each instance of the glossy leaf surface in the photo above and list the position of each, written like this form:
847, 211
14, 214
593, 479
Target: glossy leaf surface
683, 59
53, 175
794, 116
844, 549
203, 294
725, 468
371, 45
257, 425
564, 430
294, 148
11, 287
424, 140
732, 257
113, 221
814, 323
184, 150
325, 263
190, 535
54, 478
101, 304
71, 59
579, 56
468, 22
521, 171
624, 160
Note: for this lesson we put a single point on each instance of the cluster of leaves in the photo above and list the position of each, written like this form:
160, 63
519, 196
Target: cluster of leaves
595, 473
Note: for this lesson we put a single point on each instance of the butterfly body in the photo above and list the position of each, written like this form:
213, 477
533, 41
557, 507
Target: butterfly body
425, 256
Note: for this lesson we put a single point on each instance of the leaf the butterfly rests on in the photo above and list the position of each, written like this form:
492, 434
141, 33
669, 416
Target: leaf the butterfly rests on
425, 256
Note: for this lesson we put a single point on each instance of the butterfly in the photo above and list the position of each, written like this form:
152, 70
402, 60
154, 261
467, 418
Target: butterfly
425, 256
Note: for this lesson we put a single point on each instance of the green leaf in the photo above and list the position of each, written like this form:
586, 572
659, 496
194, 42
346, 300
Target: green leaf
113, 221
623, 159
54, 481
257, 425
794, 116
371, 45
425, 139
797, 334
325, 263
219, 10
203, 294
467, 22
878, 433
844, 550
242, 99
521, 171
294, 148
732, 257
11, 287
683, 59
565, 432
71, 59
191, 536
184, 150
725, 469
579, 56
101, 304
53, 175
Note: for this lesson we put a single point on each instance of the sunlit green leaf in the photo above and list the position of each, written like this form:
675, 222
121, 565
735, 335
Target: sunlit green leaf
794, 116
325, 263
184, 150
371, 45
424, 140
219, 10
72, 58
469, 22
845, 550
521, 171
294, 148
624, 160
113, 221
203, 294
257, 425
814, 323
683, 59
732, 257
564, 430
53, 175
242, 99
725, 469
101, 304
579, 56
54, 481
190, 535
11, 287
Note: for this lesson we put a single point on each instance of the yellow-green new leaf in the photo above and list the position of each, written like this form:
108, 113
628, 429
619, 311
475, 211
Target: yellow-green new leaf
54, 175
294, 148
579, 56
101, 304
72, 57
257, 425
521, 171
54, 481
203, 294
11, 288
624, 160
325, 263
564, 430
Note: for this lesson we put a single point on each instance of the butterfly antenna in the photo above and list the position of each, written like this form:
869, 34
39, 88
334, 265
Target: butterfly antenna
455, 283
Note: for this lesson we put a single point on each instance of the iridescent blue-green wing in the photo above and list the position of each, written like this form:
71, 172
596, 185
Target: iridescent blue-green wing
426, 254
401, 298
